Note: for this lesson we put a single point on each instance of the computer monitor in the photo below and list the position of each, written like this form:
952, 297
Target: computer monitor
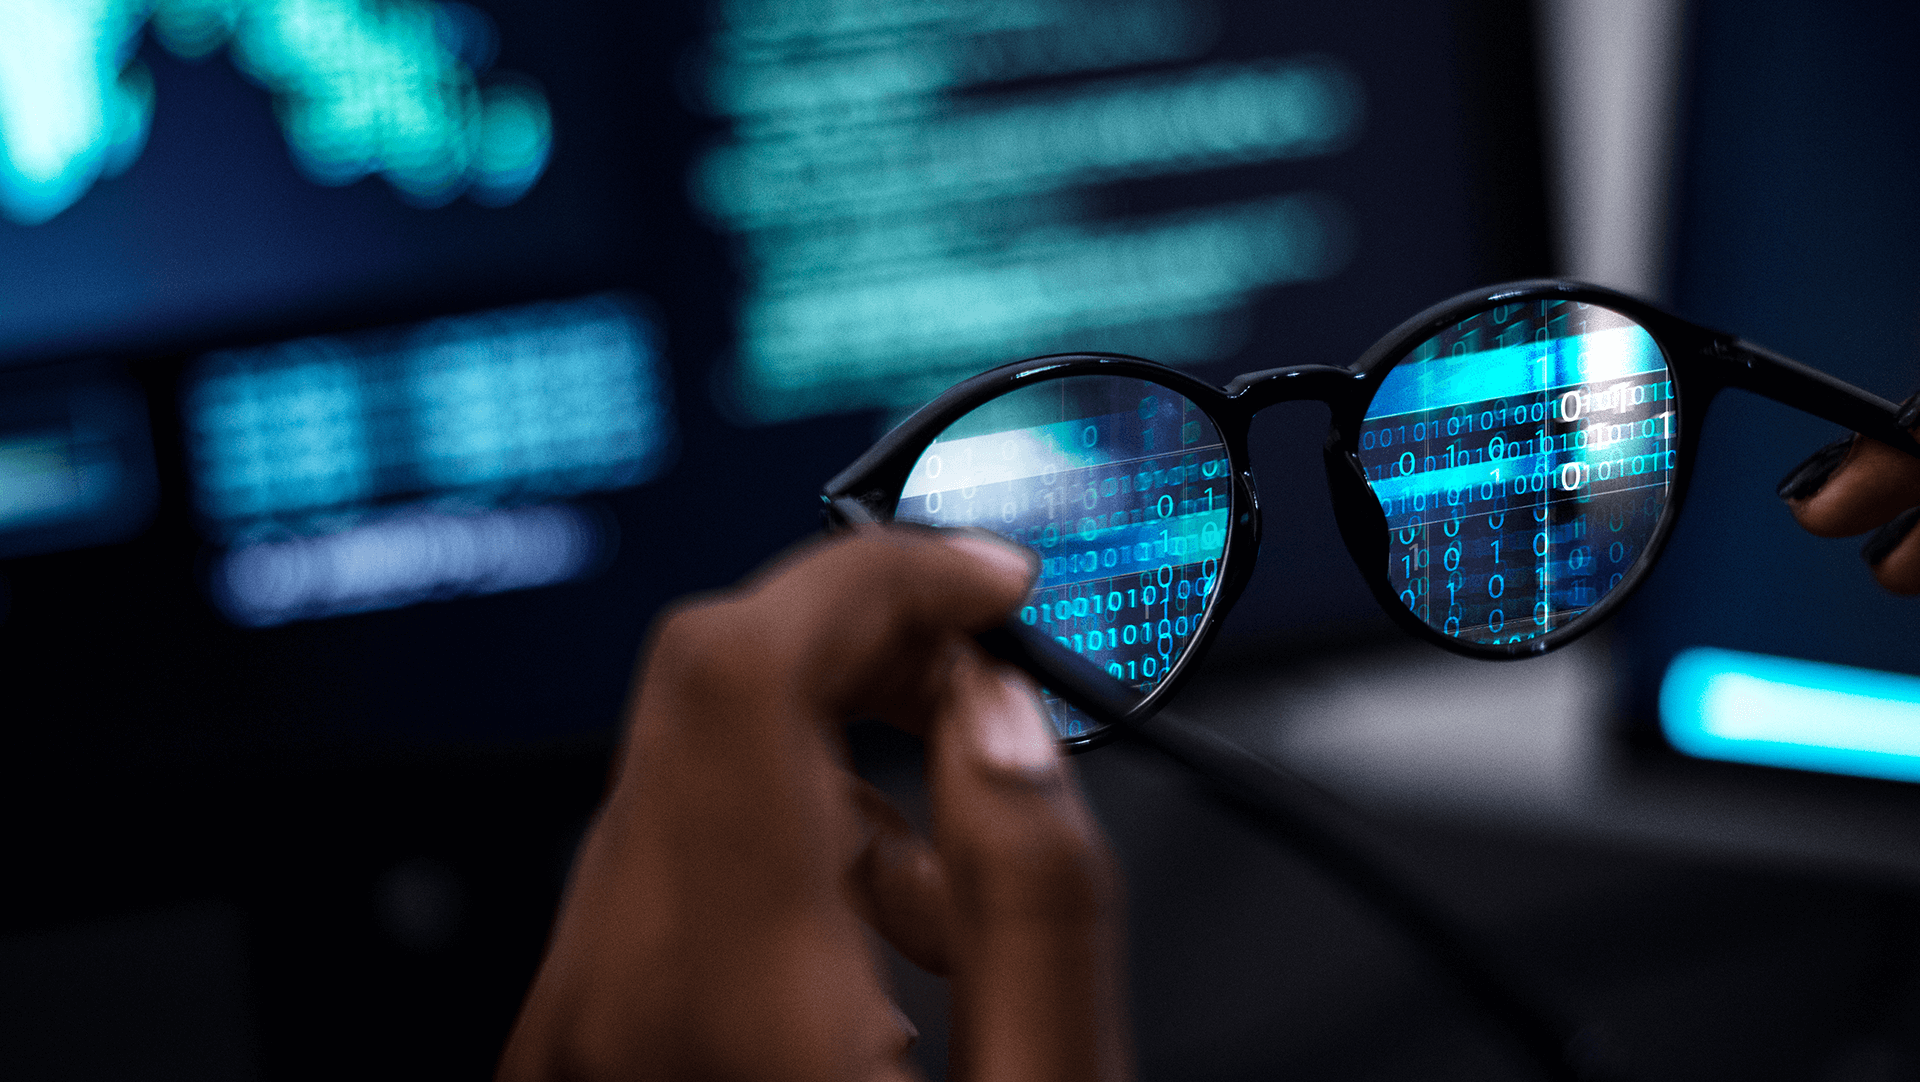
377, 371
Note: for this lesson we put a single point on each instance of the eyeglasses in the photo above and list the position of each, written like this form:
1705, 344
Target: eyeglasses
1505, 468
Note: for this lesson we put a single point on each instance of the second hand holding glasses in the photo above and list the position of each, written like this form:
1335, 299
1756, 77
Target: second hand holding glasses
1505, 468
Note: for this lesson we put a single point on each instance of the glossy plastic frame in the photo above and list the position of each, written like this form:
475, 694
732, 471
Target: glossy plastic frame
1703, 363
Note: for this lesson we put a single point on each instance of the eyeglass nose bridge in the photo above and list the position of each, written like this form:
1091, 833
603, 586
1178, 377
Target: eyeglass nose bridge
1356, 512
1340, 388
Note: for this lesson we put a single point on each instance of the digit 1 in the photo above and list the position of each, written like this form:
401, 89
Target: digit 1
1496, 550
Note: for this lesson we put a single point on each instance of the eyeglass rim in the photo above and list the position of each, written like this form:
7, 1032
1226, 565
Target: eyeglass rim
1365, 529
875, 479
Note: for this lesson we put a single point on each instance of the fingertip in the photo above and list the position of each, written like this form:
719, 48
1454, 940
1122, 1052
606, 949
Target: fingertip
1016, 735
1824, 518
1017, 831
1894, 554
1866, 487
1900, 584
1015, 563
1806, 479
966, 580
995, 719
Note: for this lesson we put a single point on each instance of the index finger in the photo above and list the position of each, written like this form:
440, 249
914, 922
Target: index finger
856, 622
1034, 896
1868, 485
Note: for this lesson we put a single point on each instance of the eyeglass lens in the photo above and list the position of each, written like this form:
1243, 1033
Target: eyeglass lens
1123, 488
1523, 458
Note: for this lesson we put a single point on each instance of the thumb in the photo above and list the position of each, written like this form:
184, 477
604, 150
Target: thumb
1034, 939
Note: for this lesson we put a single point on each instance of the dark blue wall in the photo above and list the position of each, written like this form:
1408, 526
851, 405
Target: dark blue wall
1797, 225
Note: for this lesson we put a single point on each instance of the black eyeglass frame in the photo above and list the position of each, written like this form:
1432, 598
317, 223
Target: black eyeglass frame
1703, 362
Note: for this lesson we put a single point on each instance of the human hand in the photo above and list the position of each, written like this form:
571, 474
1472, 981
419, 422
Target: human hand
1856, 484
719, 920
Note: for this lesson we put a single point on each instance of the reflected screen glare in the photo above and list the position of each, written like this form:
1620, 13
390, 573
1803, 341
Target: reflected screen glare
1523, 458
1122, 487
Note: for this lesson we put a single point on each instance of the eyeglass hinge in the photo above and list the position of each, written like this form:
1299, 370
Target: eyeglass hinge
849, 511
1726, 348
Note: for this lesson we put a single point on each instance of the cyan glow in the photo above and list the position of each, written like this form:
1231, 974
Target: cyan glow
41, 480
1214, 116
286, 437
565, 405
72, 106
899, 233
383, 88
900, 339
362, 86
507, 406
1806, 715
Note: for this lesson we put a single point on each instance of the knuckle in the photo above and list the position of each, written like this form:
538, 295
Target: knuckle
698, 645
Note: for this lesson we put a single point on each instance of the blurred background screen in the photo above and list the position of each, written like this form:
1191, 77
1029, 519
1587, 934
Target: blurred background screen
374, 370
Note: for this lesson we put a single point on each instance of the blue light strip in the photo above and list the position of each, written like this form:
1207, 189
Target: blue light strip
1641, 458
1805, 715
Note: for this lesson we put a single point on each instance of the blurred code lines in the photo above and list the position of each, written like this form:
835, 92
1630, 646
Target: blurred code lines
899, 234
373, 471
76, 464
410, 557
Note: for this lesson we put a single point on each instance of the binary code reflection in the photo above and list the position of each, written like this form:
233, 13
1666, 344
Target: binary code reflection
1523, 458
1121, 486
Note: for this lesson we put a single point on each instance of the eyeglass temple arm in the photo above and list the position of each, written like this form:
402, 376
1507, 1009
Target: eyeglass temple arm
1790, 383
1034, 652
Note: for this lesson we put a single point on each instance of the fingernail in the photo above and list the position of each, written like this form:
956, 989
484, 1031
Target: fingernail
1012, 558
1805, 479
1909, 414
1888, 537
1015, 734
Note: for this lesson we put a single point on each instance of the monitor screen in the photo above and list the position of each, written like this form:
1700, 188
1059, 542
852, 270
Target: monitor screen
378, 370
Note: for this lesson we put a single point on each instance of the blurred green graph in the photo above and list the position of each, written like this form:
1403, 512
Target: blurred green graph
361, 88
